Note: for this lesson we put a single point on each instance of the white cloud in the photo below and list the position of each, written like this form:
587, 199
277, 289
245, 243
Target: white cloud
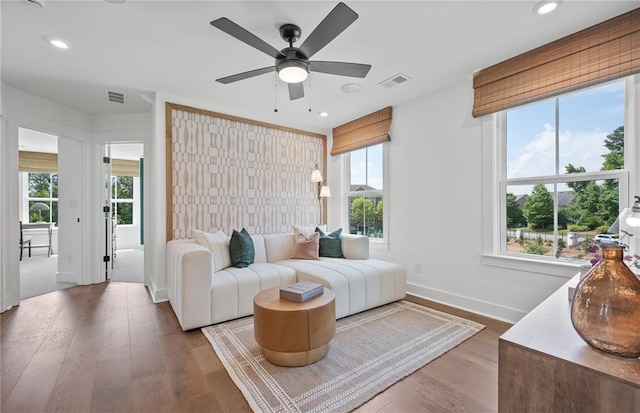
578, 148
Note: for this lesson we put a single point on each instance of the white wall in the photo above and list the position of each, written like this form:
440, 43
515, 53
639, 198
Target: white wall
434, 200
84, 136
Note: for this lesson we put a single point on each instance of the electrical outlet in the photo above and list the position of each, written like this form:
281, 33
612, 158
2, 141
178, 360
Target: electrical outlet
418, 267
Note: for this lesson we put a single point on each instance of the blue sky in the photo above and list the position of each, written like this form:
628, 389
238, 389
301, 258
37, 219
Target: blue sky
359, 173
586, 118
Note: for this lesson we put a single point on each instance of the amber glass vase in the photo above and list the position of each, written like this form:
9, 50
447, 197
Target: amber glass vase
606, 306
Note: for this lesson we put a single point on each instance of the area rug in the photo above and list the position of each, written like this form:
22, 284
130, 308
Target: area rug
370, 352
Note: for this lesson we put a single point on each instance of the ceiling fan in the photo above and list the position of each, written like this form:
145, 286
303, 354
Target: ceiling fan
292, 63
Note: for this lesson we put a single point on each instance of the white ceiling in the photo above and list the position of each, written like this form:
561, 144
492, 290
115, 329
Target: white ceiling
141, 47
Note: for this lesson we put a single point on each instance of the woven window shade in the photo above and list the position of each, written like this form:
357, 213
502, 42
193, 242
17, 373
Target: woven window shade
360, 133
124, 167
606, 51
37, 162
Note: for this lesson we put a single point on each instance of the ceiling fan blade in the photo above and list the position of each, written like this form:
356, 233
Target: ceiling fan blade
296, 91
245, 36
245, 75
333, 24
340, 68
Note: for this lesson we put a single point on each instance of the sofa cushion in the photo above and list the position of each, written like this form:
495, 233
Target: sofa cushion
306, 230
218, 244
279, 247
259, 248
330, 244
241, 249
355, 247
307, 248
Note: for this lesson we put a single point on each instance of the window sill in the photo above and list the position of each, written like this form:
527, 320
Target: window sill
552, 268
378, 245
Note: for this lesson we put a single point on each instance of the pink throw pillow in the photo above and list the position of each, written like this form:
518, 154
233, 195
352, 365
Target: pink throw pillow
307, 248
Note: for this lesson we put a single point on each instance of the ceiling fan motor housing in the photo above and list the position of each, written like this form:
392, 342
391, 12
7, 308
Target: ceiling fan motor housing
292, 58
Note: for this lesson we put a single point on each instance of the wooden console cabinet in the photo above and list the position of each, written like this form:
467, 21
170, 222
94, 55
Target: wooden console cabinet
544, 366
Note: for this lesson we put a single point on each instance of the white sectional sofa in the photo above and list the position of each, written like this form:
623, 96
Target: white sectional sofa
199, 296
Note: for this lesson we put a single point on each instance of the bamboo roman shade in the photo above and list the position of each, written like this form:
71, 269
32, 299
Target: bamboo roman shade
124, 167
360, 133
41, 162
37, 162
603, 52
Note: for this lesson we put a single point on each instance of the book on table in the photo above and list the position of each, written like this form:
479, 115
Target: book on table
301, 292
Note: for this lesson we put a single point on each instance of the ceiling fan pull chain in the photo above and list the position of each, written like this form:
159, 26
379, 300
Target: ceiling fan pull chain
309, 92
275, 93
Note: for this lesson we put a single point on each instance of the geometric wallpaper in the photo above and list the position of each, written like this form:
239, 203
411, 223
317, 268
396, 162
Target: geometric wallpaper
225, 172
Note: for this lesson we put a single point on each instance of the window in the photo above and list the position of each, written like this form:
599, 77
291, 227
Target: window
365, 192
43, 197
122, 199
563, 172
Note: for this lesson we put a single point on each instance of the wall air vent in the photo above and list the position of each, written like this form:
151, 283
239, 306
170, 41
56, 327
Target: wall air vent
115, 97
394, 80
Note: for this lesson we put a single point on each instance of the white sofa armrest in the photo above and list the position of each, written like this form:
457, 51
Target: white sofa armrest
355, 247
189, 281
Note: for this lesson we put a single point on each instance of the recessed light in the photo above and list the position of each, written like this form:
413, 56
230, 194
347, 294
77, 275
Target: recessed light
57, 42
351, 88
545, 7
324, 114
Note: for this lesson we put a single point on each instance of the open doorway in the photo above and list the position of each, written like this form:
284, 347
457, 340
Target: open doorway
127, 220
38, 213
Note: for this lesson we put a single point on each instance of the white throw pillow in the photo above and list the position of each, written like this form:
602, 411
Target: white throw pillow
306, 230
218, 244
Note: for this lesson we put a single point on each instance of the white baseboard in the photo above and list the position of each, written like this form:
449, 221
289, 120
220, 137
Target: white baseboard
67, 277
157, 295
485, 308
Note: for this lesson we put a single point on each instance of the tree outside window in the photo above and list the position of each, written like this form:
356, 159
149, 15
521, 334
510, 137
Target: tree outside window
365, 195
122, 199
43, 190
565, 165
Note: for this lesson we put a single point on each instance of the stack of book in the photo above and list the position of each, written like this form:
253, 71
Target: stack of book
301, 292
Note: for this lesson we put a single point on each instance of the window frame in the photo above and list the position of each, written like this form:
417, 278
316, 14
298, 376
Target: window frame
48, 200
115, 200
495, 183
376, 243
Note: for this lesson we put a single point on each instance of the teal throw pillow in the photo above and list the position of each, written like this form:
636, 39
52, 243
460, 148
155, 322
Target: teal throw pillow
330, 244
241, 249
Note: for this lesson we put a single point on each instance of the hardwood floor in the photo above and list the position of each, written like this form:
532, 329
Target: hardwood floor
107, 347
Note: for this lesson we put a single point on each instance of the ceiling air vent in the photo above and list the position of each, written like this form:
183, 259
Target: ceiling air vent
395, 80
115, 97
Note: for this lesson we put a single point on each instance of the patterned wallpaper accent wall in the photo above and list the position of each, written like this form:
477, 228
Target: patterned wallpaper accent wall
227, 173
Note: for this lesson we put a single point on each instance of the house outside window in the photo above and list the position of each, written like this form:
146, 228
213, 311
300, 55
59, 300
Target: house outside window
563, 178
43, 197
365, 195
122, 199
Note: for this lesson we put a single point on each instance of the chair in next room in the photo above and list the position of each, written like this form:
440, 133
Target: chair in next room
24, 241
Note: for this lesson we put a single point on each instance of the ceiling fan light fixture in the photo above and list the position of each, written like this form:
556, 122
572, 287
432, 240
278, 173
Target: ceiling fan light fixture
293, 71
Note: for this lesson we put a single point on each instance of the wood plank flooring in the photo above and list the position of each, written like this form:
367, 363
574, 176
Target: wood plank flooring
107, 347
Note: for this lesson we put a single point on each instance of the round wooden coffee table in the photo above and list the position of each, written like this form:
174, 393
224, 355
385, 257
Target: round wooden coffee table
293, 334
